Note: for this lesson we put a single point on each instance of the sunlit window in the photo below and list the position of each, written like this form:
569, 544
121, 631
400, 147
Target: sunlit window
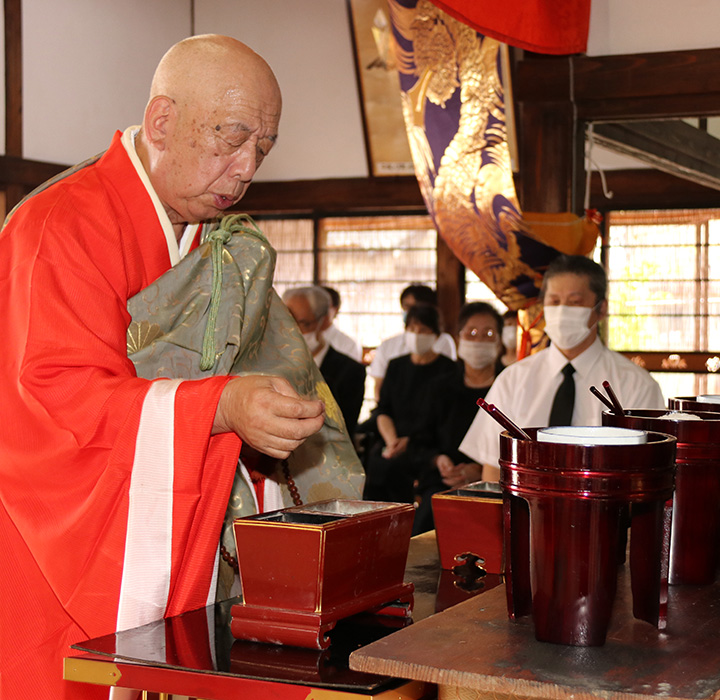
293, 241
475, 290
664, 288
370, 260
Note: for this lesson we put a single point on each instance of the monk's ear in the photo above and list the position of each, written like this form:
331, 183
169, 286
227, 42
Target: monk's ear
160, 115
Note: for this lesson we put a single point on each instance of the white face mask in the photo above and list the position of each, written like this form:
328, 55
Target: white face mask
476, 354
567, 326
312, 341
419, 343
509, 337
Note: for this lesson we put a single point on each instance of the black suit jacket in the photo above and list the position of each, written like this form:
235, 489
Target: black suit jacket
346, 379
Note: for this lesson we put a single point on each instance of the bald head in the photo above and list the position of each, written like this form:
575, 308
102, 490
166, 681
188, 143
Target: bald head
212, 117
211, 65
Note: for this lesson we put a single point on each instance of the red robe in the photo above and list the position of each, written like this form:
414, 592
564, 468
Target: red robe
112, 491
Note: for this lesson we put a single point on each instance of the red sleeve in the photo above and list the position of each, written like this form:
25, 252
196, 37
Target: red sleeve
70, 410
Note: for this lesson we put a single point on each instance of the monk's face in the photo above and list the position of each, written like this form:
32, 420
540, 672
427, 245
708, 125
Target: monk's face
213, 149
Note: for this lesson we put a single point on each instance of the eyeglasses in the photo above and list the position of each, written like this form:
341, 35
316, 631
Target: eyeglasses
306, 325
483, 335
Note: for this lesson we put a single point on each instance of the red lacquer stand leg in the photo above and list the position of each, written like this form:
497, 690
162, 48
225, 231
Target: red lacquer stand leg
517, 555
649, 554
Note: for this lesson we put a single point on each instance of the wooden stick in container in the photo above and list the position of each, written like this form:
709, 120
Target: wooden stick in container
501, 418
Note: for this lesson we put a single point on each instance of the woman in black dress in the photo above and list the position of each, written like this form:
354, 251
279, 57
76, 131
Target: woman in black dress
450, 405
392, 465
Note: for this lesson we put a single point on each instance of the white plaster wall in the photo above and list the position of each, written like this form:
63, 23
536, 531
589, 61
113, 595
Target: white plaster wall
643, 26
87, 69
88, 64
309, 46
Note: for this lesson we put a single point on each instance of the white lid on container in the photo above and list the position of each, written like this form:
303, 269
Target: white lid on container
679, 415
592, 435
709, 398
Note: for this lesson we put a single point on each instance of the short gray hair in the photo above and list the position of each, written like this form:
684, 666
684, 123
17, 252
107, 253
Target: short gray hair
319, 300
582, 267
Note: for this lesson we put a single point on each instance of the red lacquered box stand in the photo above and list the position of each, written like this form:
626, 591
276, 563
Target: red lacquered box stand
305, 568
469, 526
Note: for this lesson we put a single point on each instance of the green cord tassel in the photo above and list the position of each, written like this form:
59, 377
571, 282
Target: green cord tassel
237, 223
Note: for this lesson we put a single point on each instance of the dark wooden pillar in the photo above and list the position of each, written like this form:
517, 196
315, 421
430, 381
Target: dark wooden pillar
450, 285
550, 137
13, 92
545, 155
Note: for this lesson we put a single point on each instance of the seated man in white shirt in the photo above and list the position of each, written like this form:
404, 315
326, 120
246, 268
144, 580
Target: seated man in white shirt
573, 294
396, 346
342, 342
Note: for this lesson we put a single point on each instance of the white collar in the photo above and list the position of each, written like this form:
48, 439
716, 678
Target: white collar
321, 355
175, 251
583, 363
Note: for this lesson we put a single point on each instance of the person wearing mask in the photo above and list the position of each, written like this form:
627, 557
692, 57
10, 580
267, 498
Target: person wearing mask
392, 466
342, 342
450, 405
310, 307
552, 386
396, 345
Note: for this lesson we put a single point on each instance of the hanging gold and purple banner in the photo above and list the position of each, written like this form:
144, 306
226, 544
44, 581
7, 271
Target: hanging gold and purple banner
451, 82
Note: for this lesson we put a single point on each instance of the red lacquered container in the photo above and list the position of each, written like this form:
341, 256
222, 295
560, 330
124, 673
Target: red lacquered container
468, 522
691, 403
695, 534
304, 568
564, 508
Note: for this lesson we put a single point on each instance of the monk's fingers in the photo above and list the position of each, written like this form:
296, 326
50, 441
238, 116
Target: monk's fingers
278, 437
253, 408
278, 446
295, 408
276, 449
297, 429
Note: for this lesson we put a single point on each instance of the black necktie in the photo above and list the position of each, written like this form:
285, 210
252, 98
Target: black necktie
564, 401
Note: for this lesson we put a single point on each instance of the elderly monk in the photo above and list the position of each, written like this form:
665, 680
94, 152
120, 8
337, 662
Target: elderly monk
91, 453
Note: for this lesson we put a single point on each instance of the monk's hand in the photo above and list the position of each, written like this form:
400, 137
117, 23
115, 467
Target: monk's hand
267, 414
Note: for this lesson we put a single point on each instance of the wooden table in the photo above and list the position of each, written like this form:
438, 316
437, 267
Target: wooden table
473, 650
195, 654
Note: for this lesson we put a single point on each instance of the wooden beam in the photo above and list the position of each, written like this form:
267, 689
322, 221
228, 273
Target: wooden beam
331, 196
668, 361
13, 78
26, 174
13, 91
633, 189
672, 146
650, 189
670, 84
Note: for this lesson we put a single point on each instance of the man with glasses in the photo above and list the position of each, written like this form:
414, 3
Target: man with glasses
310, 307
